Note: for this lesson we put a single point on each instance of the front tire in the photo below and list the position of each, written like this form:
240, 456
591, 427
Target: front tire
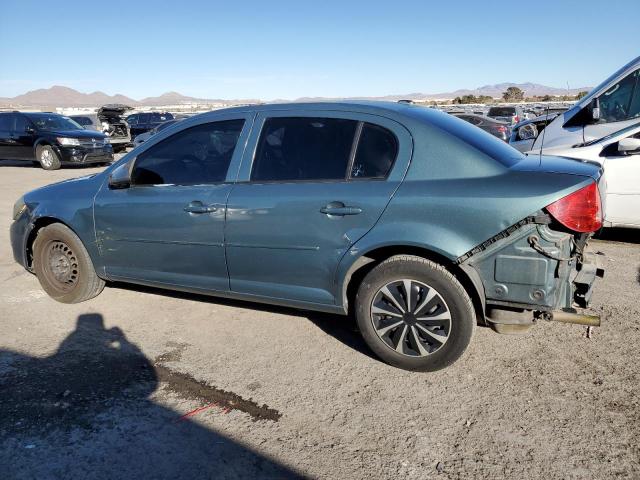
47, 157
414, 314
63, 265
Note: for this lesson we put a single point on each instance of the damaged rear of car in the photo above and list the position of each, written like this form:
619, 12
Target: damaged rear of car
114, 126
511, 229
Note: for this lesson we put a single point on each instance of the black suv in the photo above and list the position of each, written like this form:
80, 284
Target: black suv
143, 122
50, 139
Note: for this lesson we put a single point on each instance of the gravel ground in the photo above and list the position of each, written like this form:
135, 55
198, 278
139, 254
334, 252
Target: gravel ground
101, 389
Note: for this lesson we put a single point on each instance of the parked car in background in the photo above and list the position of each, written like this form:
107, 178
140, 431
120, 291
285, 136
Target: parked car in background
143, 137
506, 113
619, 153
50, 140
108, 120
608, 108
499, 129
145, 121
415, 221
524, 134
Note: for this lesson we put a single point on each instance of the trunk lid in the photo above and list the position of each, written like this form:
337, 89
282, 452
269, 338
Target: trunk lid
551, 164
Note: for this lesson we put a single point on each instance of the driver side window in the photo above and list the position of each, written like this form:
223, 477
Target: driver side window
195, 156
622, 101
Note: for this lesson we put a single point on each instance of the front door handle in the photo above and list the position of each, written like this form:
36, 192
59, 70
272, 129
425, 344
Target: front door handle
340, 209
199, 207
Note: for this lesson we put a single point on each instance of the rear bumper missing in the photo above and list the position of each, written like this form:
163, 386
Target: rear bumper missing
536, 269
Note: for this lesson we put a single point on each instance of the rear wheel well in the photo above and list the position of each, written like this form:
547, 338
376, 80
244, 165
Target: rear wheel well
39, 224
377, 256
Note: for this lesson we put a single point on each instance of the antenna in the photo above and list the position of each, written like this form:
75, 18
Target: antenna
546, 124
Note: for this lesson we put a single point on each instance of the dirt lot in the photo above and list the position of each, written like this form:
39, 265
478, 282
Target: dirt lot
101, 389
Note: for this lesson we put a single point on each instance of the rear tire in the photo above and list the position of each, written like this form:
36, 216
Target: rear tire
47, 157
428, 332
63, 265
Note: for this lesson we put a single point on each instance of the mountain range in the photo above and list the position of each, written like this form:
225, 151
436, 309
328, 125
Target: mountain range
59, 96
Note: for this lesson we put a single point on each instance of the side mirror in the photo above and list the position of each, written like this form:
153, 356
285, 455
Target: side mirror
527, 132
121, 176
629, 146
595, 109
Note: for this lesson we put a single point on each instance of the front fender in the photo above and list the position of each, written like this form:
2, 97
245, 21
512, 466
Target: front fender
69, 202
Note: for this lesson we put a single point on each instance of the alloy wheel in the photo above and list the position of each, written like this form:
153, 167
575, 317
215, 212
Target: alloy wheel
46, 157
411, 317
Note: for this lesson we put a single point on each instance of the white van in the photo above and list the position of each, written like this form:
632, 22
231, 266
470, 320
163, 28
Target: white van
610, 107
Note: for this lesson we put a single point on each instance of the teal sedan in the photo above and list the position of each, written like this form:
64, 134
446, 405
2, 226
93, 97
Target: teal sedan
413, 221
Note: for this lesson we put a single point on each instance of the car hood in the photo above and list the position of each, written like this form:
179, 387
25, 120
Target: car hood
553, 164
87, 134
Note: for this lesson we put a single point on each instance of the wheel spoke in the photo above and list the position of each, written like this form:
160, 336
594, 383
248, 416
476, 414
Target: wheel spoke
430, 295
407, 292
384, 330
441, 316
385, 291
435, 336
400, 344
416, 340
381, 311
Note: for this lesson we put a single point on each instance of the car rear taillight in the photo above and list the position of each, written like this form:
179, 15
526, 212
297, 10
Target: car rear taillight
516, 119
501, 129
580, 211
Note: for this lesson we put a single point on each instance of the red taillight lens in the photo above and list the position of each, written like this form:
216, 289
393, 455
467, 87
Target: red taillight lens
516, 119
502, 129
580, 211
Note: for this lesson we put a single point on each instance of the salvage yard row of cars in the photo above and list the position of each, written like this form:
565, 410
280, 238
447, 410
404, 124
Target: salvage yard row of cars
416, 222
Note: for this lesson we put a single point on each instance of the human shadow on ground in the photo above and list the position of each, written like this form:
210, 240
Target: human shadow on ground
86, 412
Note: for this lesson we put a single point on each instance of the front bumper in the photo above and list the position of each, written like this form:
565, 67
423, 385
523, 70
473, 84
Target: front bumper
18, 234
81, 154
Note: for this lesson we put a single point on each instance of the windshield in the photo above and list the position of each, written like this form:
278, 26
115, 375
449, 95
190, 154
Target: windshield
52, 122
611, 78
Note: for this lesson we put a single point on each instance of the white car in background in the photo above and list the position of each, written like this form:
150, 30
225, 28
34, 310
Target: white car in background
608, 108
619, 153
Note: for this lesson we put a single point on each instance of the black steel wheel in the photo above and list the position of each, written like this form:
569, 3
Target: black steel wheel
63, 266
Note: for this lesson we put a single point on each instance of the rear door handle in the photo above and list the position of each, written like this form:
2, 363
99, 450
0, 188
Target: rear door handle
199, 207
340, 209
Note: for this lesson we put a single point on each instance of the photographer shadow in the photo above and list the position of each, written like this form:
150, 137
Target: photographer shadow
87, 408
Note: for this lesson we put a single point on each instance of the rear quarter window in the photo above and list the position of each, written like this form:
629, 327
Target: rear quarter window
375, 154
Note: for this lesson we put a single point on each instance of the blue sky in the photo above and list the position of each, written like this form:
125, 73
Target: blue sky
288, 49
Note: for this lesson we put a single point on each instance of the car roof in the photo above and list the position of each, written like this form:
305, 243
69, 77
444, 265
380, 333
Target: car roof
393, 110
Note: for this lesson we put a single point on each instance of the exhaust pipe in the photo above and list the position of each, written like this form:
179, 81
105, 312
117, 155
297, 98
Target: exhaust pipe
573, 317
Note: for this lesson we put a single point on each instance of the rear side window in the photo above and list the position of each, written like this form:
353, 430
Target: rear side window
5, 122
197, 155
304, 148
21, 124
84, 121
377, 150
501, 111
